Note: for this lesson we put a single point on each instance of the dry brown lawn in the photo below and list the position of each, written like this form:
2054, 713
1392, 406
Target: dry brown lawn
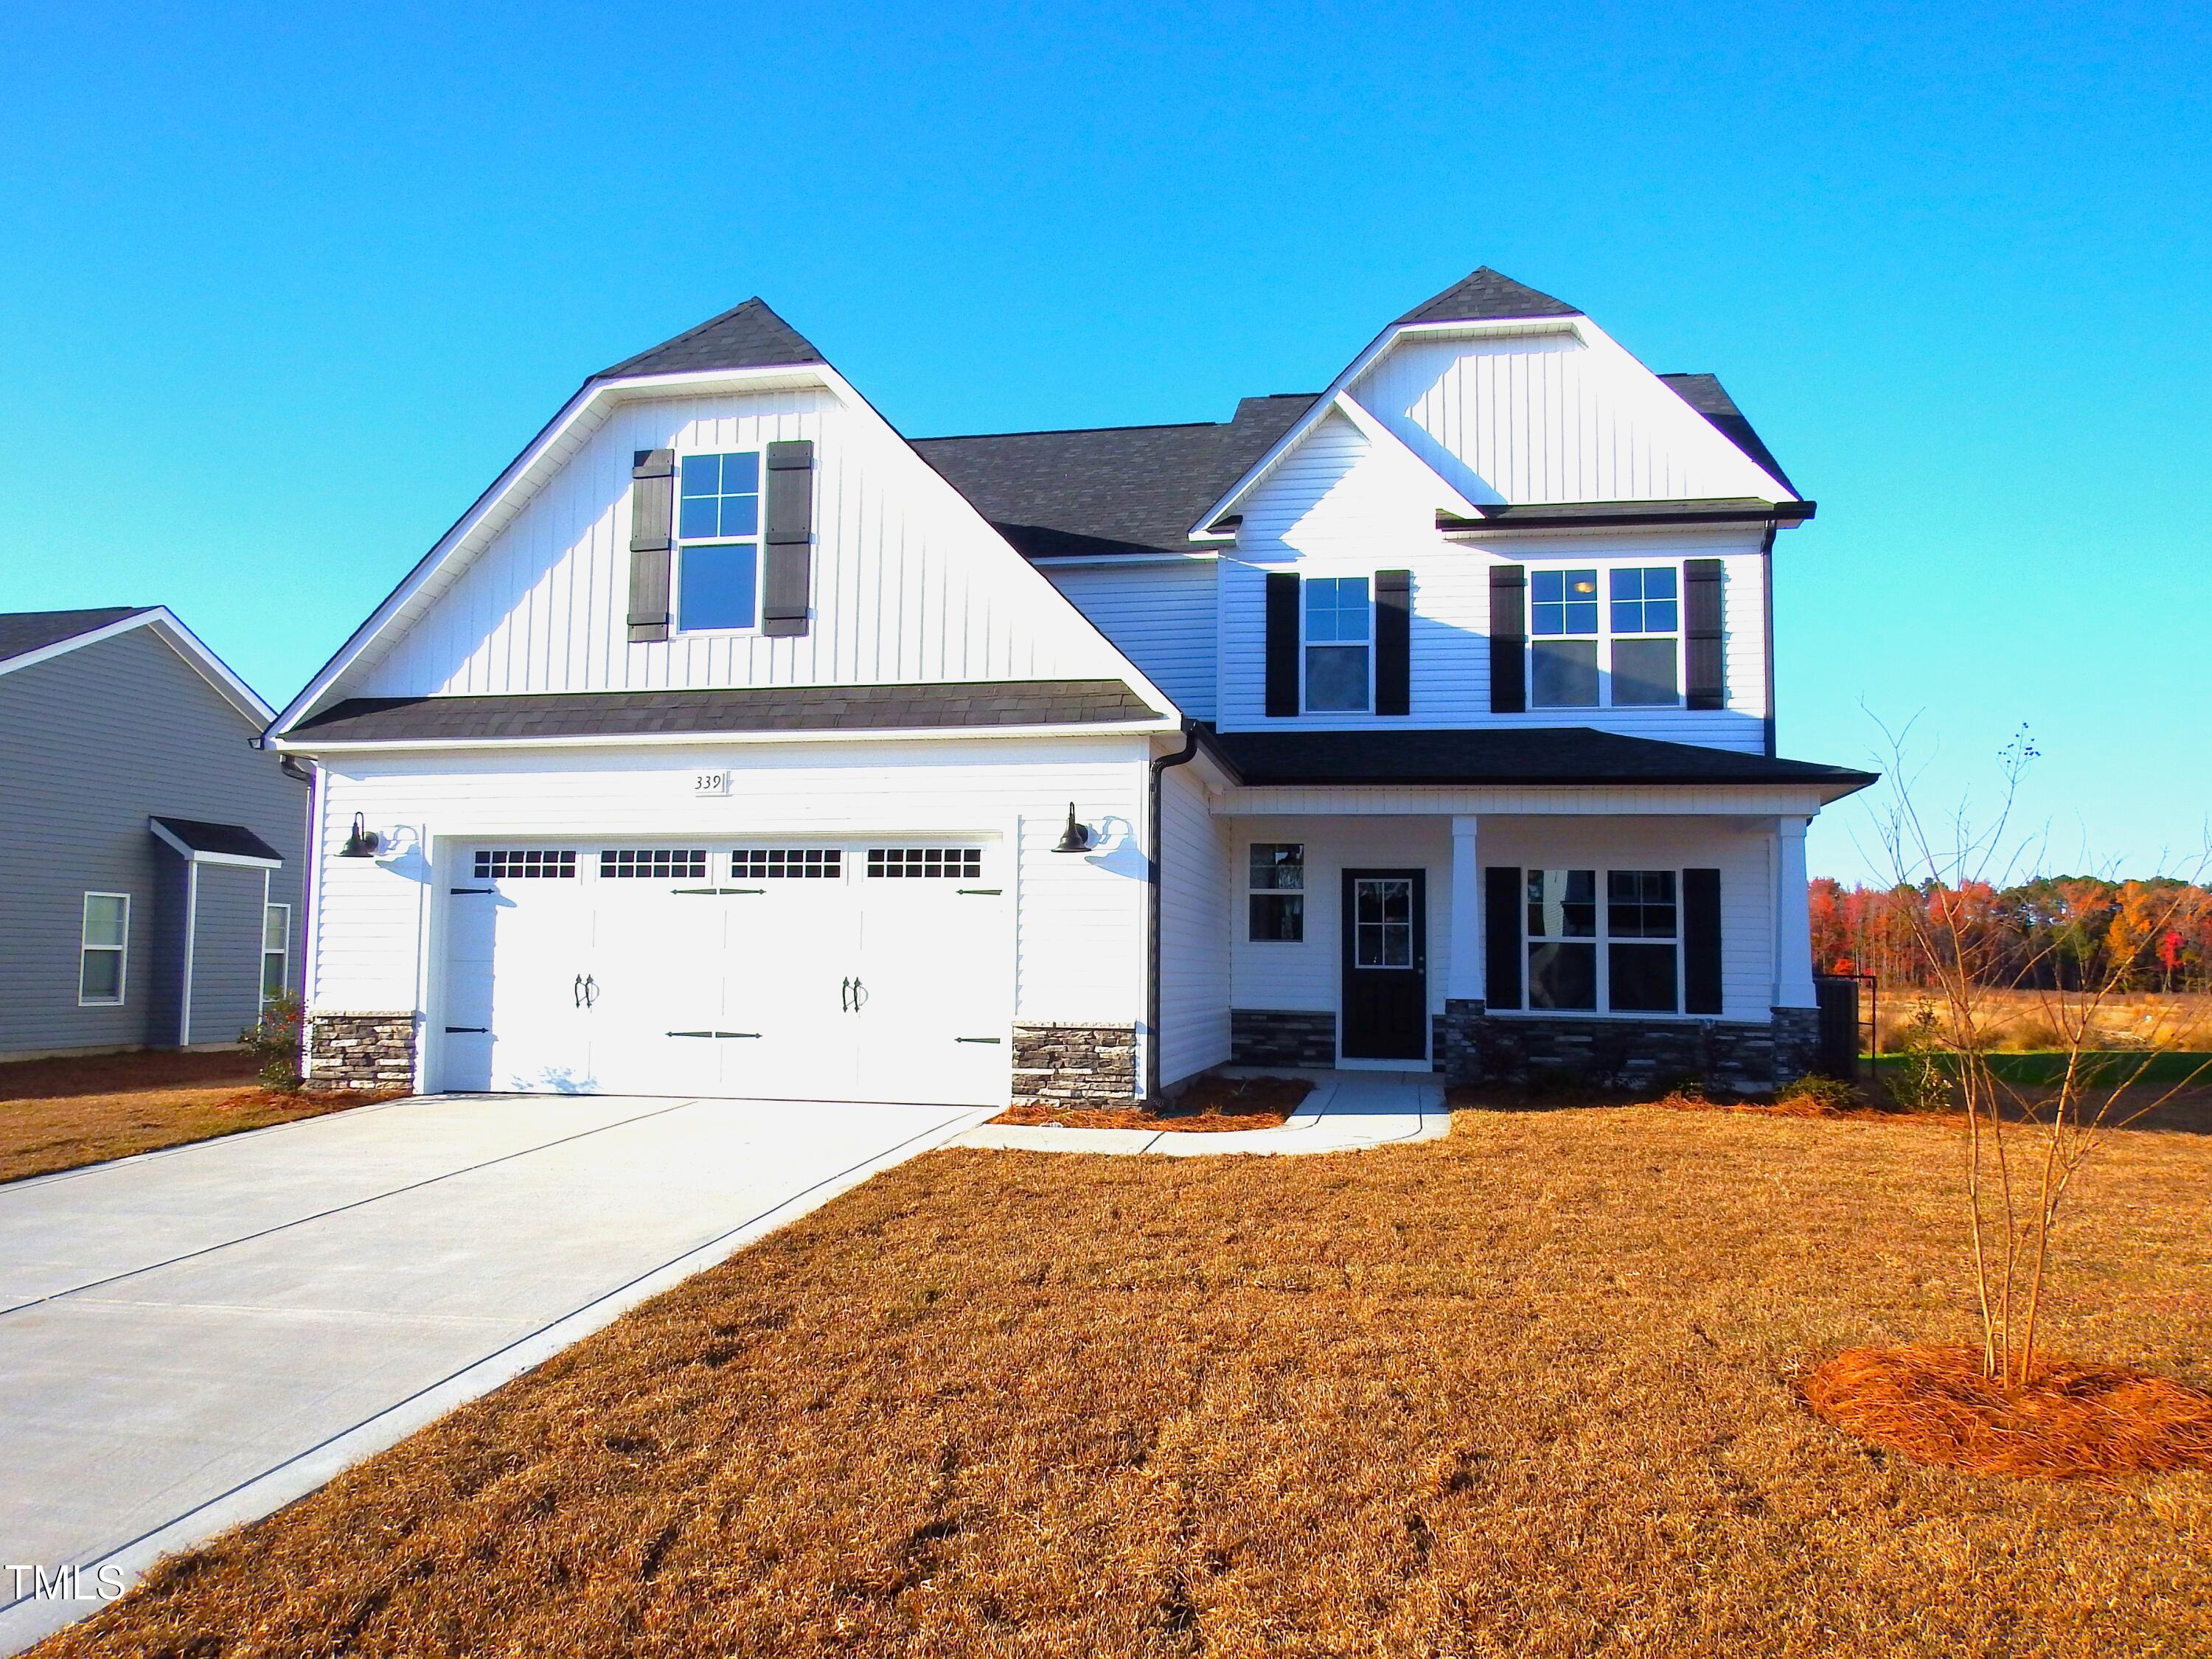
1526, 1391
58, 1114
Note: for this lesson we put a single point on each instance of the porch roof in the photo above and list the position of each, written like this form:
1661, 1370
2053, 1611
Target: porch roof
1506, 755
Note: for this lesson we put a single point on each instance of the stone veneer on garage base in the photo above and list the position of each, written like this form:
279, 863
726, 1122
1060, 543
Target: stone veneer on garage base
1077, 1065
1630, 1054
370, 1051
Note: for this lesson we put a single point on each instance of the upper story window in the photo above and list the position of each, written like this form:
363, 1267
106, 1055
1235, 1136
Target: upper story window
1339, 633
718, 537
1579, 659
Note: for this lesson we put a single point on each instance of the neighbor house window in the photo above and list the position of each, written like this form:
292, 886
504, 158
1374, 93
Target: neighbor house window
275, 951
1340, 624
1277, 899
1579, 659
1563, 938
101, 946
717, 539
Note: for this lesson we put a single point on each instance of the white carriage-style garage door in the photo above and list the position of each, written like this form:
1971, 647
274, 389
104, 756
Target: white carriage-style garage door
865, 970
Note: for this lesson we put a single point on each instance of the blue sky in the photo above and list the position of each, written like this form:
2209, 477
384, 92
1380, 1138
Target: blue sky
284, 288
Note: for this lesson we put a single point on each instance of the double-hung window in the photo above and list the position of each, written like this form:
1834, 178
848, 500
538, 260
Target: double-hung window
1563, 938
1277, 898
1340, 634
1579, 657
1643, 941
718, 541
1623, 955
101, 946
275, 951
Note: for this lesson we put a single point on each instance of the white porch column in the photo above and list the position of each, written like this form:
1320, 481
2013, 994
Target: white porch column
1793, 924
1463, 969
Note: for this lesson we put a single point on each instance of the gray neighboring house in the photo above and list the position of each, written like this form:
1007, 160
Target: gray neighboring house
152, 856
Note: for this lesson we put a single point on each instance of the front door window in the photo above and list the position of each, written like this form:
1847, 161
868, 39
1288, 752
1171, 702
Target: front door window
1383, 922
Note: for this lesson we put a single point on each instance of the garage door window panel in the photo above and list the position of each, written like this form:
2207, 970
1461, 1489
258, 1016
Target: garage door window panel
926, 863
654, 864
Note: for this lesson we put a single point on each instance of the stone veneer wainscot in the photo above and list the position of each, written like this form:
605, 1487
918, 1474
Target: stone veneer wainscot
365, 1051
1077, 1065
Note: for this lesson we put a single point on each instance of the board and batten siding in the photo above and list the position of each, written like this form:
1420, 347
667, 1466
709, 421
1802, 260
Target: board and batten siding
1195, 911
1545, 417
1078, 921
1335, 508
908, 583
1159, 615
93, 742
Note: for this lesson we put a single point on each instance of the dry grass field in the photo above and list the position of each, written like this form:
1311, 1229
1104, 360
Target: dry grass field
1525, 1391
58, 1114
2021, 1019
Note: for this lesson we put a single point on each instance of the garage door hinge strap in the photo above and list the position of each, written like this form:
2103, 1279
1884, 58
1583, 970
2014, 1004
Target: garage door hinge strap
989, 892
979, 1039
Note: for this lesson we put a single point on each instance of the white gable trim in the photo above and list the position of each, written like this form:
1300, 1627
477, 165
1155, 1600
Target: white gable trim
179, 638
567, 433
1380, 439
1337, 398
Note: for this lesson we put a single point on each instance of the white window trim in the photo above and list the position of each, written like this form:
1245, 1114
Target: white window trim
1367, 576
1301, 890
1604, 941
284, 949
123, 970
1605, 636
679, 544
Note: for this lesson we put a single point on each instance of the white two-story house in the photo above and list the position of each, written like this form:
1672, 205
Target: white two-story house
732, 743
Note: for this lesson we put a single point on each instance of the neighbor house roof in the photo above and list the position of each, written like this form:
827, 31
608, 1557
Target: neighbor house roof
709, 712
1108, 490
24, 631
747, 335
1509, 755
199, 838
1484, 295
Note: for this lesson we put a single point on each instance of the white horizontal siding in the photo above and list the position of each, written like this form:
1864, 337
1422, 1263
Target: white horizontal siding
1079, 933
908, 585
1160, 615
1336, 508
1549, 418
1194, 910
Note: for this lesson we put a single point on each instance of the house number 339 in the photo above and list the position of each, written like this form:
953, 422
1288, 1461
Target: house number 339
710, 783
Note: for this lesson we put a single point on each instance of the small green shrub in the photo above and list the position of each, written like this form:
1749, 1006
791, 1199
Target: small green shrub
1922, 1080
274, 1040
1829, 1094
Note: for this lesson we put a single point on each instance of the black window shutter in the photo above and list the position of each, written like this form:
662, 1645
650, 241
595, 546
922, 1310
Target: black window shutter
788, 578
1509, 640
1282, 642
652, 506
1705, 683
1394, 642
1701, 941
1501, 936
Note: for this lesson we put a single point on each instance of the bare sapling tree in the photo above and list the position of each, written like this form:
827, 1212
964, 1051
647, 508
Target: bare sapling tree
2029, 1128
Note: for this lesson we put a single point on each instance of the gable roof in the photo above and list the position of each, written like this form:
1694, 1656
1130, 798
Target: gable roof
746, 336
1705, 394
22, 631
1484, 295
1110, 490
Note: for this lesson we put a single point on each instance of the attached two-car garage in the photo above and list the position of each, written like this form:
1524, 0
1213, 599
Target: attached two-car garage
825, 970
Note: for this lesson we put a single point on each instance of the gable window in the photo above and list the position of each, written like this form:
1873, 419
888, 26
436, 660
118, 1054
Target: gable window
718, 539
101, 945
275, 951
1628, 659
1276, 901
1339, 631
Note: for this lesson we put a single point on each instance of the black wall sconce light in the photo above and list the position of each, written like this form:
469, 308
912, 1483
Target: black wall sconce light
363, 842
1076, 838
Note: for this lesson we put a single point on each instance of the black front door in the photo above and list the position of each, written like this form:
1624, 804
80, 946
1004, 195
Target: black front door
1386, 965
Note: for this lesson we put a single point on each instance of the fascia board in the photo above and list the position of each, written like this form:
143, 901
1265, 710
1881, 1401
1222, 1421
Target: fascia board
722, 739
1202, 530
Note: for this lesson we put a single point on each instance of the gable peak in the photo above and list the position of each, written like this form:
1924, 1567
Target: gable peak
746, 336
1486, 295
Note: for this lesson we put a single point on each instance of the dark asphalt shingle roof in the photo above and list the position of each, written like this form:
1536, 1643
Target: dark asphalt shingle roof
33, 630
233, 839
1508, 755
748, 335
1109, 490
1486, 295
760, 709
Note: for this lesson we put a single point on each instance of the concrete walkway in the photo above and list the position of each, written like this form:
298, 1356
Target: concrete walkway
1347, 1111
192, 1338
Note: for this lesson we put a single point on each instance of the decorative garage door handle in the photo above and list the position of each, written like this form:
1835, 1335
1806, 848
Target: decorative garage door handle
851, 994
587, 990
577, 990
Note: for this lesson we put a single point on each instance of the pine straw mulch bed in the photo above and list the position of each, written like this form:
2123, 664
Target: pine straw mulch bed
2069, 1422
63, 1113
1211, 1105
1528, 1390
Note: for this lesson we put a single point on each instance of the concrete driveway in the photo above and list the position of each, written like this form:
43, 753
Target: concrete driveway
192, 1338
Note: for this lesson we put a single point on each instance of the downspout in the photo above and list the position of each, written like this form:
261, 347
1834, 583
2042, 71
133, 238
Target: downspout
1766, 582
1160, 763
